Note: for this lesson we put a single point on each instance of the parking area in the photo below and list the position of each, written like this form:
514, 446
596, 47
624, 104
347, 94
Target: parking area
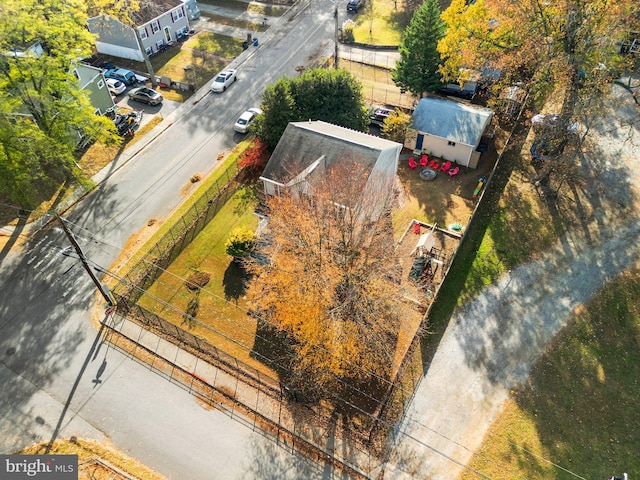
165, 108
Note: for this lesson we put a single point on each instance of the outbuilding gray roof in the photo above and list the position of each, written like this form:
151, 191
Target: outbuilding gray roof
303, 143
455, 121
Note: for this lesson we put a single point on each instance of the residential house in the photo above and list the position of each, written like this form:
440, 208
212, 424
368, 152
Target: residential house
158, 23
307, 149
448, 129
91, 79
32, 50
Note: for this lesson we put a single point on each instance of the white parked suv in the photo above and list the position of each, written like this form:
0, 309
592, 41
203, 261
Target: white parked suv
116, 87
223, 80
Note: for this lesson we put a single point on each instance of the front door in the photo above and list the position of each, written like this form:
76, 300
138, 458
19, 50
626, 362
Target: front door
167, 33
419, 141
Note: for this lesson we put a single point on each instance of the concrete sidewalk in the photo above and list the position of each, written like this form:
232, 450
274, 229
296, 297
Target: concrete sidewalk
275, 410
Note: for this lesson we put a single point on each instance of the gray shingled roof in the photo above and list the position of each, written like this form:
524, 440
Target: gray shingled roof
455, 121
150, 9
305, 142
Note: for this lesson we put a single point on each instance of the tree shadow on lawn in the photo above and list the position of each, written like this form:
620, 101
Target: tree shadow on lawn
235, 281
581, 394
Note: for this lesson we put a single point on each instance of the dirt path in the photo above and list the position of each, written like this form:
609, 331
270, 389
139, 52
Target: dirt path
492, 342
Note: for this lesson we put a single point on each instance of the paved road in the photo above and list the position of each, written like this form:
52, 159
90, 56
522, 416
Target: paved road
58, 377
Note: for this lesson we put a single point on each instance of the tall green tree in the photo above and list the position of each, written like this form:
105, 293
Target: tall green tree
43, 111
333, 96
278, 106
417, 71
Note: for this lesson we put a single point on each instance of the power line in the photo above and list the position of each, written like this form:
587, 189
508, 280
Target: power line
245, 310
104, 291
327, 392
537, 456
422, 425
212, 294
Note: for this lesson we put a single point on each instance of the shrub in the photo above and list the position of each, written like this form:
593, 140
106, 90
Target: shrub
347, 31
240, 242
255, 157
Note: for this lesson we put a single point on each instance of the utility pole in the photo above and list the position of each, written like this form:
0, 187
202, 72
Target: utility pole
145, 57
104, 290
335, 16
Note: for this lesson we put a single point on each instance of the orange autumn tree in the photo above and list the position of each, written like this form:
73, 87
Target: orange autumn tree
559, 50
551, 46
330, 280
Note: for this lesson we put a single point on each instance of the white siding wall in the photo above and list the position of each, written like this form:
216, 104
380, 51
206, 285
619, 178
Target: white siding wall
380, 182
440, 147
168, 20
117, 51
269, 187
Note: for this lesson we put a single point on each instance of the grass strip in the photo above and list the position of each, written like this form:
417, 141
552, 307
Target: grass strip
88, 450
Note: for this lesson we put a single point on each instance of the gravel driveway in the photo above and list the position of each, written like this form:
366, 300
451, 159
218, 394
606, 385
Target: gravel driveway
492, 342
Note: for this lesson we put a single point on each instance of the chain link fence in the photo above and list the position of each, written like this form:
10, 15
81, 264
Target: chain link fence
147, 270
198, 362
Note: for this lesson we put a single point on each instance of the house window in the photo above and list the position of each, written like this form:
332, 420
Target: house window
149, 50
177, 14
159, 44
100, 84
155, 26
451, 144
143, 33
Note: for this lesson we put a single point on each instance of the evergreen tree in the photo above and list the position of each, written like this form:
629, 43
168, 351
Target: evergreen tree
417, 71
333, 96
278, 109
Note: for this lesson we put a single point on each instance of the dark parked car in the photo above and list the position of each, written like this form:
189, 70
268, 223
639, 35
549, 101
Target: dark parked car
125, 76
354, 5
146, 95
379, 115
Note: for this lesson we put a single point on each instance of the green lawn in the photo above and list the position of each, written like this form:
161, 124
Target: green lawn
204, 55
384, 26
257, 8
184, 207
581, 407
221, 304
